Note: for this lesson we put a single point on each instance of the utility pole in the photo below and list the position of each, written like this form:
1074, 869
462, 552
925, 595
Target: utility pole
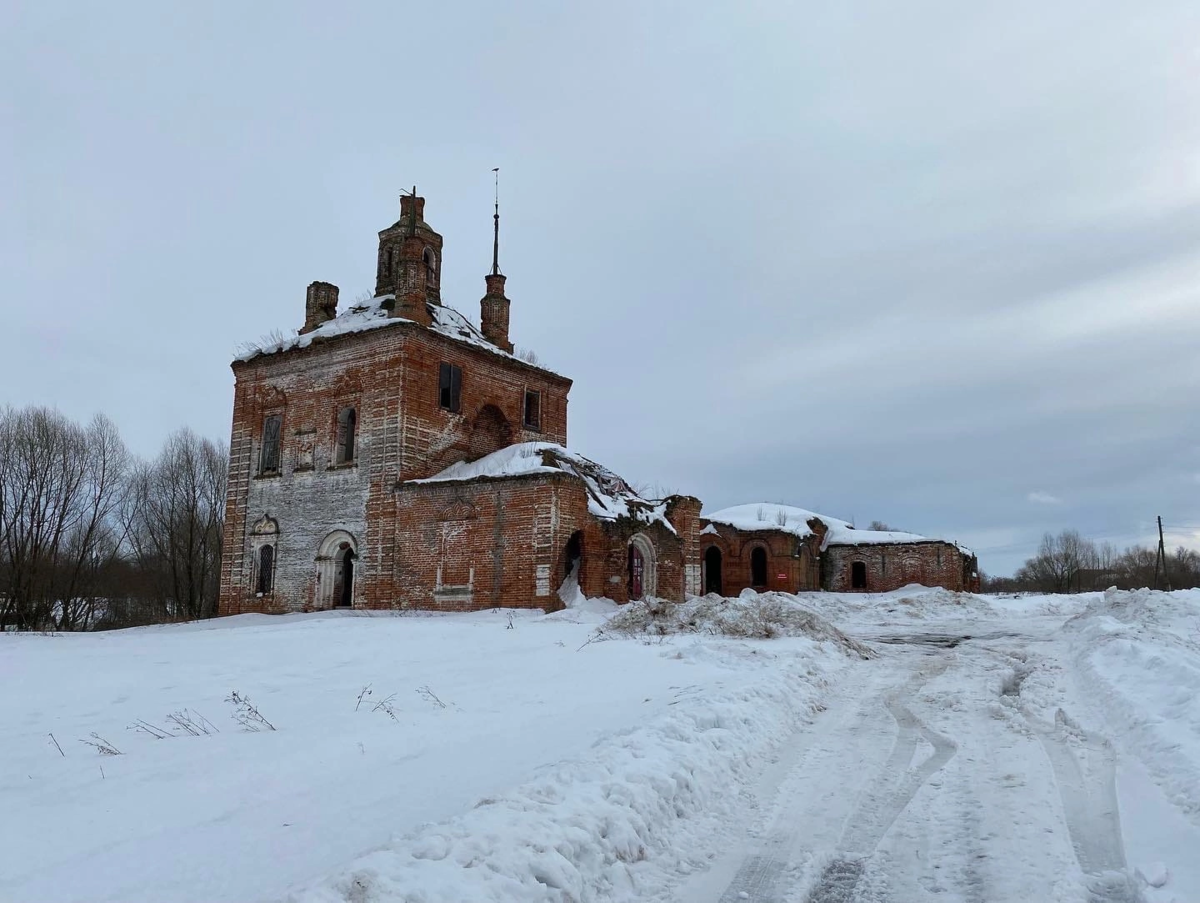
1160, 559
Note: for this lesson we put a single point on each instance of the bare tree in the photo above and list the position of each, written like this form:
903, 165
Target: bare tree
175, 523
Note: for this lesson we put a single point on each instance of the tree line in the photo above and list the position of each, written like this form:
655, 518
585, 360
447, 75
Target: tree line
92, 537
1070, 563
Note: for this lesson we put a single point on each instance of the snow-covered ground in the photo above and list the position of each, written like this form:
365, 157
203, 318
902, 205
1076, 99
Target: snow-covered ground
982, 749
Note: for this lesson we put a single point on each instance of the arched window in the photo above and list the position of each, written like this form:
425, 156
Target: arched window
266, 569
858, 575
758, 566
346, 427
430, 259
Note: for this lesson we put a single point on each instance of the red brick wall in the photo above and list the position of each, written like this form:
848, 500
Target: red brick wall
471, 545
478, 544
892, 566
792, 563
390, 375
435, 438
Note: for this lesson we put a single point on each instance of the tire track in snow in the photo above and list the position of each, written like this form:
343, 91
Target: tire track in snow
893, 791
1089, 801
818, 751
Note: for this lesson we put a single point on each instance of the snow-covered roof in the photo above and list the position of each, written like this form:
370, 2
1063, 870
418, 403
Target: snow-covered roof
609, 496
767, 516
374, 314
789, 519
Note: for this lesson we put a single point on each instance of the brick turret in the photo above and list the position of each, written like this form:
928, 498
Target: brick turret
320, 305
410, 262
493, 312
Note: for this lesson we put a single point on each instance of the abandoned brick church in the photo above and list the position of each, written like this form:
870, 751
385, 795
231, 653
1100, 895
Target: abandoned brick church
393, 455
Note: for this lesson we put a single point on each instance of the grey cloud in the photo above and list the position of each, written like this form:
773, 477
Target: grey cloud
885, 261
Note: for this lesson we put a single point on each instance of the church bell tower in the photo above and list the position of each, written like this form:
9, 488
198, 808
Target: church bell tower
410, 262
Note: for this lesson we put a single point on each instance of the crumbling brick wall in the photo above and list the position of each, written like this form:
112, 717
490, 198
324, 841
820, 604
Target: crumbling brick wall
889, 566
390, 376
792, 563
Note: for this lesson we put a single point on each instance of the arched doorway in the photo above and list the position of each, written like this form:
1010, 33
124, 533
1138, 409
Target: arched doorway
642, 571
858, 575
758, 566
336, 566
712, 571
345, 578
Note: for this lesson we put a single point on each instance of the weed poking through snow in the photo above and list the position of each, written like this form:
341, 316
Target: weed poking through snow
366, 691
246, 714
102, 746
385, 705
429, 696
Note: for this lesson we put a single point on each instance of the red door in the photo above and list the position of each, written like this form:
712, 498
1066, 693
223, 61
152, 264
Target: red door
637, 568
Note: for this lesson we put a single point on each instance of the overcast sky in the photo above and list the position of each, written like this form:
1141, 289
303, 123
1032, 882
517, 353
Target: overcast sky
936, 264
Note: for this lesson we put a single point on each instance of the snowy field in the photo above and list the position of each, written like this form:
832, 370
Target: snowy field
972, 749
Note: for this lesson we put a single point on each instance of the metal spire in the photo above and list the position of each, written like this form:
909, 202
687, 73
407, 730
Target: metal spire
496, 221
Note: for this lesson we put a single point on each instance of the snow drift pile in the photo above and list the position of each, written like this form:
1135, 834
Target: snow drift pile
1140, 651
751, 616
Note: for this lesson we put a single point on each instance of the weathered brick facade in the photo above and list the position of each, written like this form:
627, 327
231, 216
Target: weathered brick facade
885, 567
788, 563
337, 431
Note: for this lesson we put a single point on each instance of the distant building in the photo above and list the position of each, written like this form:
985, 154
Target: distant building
392, 455
778, 547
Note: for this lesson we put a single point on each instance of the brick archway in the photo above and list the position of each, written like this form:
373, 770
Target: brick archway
642, 575
490, 431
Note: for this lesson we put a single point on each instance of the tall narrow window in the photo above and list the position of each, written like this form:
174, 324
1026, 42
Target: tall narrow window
266, 569
450, 387
347, 424
430, 266
533, 410
758, 566
268, 461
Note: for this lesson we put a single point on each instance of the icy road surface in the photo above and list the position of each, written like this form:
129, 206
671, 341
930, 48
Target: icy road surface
986, 759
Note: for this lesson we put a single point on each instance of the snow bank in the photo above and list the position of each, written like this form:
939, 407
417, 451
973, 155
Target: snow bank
761, 616
620, 823
1139, 651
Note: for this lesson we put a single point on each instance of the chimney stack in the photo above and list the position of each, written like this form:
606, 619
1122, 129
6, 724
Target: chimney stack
493, 312
320, 305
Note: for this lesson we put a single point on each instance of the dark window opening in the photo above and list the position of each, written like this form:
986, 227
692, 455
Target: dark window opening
347, 424
450, 387
858, 575
268, 461
266, 569
533, 410
345, 578
430, 266
758, 566
712, 570
387, 264
574, 554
